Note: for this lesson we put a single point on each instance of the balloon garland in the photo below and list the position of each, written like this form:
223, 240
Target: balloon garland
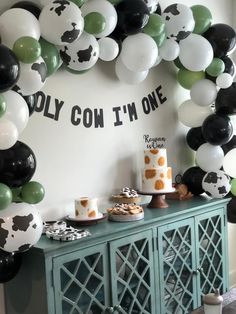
138, 36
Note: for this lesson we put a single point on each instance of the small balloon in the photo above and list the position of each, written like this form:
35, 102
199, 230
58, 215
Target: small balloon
216, 67
169, 50
32, 192
27, 49
217, 129
207, 152
10, 264
108, 49
203, 18
94, 23
192, 177
5, 196
50, 55
188, 78
195, 138
155, 25
226, 100
224, 80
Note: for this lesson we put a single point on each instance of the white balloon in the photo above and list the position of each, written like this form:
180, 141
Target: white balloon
24, 225
152, 5
229, 163
224, 80
16, 23
105, 8
216, 184
193, 115
209, 157
179, 21
139, 52
17, 110
61, 23
169, 50
32, 77
8, 134
127, 76
203, 92
108, 49
82, 54
158, 61
196, 53
44, 2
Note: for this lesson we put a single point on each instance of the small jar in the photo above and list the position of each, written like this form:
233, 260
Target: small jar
213, 303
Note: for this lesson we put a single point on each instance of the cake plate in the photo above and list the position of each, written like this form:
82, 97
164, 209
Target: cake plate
158, 198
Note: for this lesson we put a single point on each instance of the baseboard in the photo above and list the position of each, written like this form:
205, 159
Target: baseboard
232, 278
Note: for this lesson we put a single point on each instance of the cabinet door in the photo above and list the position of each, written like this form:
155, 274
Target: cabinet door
211, 252
80, 281
177, 260
132, 274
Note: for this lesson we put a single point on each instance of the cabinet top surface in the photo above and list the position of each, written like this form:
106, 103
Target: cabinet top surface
177, 210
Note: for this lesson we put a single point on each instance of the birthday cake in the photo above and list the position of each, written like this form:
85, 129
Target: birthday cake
86, 208
156, 175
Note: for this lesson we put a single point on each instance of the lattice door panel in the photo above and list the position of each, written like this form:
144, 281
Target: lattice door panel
132, 274
177, 262
81, 282
210, 248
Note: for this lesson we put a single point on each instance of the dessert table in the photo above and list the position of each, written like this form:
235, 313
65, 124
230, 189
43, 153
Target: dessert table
229, 303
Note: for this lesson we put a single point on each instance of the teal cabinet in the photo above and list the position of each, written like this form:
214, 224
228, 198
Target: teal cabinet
162, 264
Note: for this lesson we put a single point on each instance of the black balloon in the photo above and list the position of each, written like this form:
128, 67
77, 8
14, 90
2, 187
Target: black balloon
17, 165
222, 38
9, 68
231, 210
195, 138
193, 179
217, 129
31, 100
225, 102
29, 6
132, 15
230, 145
9, 265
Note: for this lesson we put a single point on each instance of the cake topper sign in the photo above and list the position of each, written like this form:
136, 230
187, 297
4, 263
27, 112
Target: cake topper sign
153, 142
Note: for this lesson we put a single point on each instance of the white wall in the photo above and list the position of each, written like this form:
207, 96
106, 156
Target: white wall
76, 161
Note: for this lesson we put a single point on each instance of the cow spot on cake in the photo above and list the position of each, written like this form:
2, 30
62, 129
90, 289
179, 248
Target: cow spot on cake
169, 173
154, 151
150, 173
216, 184
92, 214
159, 185
84, 203
146, 160
161, 161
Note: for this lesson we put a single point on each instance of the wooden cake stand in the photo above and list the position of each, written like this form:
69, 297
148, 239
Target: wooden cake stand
158, 199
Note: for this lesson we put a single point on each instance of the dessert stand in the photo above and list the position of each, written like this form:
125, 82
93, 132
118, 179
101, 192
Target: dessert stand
158, 199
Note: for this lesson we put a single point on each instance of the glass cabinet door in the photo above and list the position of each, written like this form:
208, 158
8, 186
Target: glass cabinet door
81, 281
132, 275
177, 267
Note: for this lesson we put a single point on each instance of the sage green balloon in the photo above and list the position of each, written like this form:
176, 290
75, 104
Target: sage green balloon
50, 55
5, 196
79, 3
216, 67
16, 195
159, 40
32, 192
187, 78
155, 25
233, 187
3, 105
94, 23
27, 49
203, 18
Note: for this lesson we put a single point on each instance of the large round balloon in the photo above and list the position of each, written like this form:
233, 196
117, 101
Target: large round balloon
229, 164
216, 184
193, 115
179, 21
169, 50
187, 78
193, 179
222, 37
61, 22
195, 138
209, 157
17, 165
143, 59
82, 54
32, 77
31, 100
16, 23
231, 210
106, 9
9, 265
196, 53
127, 76
17, 110
132, 16
226, 100
21, 227
50, 55
8, 134
29, 6
217, 129
9, 68
203, 18
203, 92
108, 49
32, 192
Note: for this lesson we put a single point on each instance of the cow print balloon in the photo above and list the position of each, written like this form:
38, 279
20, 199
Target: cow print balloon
216, 184
20, 227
